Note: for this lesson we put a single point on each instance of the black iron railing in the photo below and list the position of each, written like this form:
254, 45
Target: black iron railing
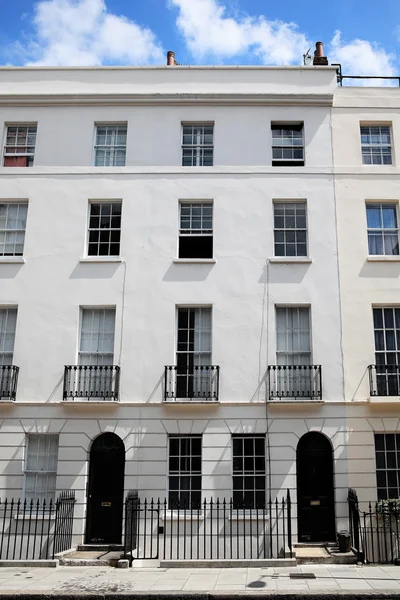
215, 529
384, 380
99, 382
375, 532
8, 381
36, 529
191, 383
295, 382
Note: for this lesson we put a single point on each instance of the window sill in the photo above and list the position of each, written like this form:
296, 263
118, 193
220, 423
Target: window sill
189, 515
384, 399
15, 260
251, 515
101, 259
34, 517
382, 258
196, 261
291, 259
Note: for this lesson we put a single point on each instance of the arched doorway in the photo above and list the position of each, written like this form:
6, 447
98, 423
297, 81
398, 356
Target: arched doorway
105, 490
315, 489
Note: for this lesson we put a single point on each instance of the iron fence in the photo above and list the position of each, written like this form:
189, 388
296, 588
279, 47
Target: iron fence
35, 529
216, 529
96, 382
375, 533
197, 382
295, 382
8, 381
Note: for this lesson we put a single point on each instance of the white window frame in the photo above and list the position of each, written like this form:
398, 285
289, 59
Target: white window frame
191, 231
185, 473
198, 146
290, 230
30, 155
278, 142
255, 474
286, 354
96, 355
377, 146
7, 232
100, 229
50, 473
383, 230
393, 449
7, 357
112, 147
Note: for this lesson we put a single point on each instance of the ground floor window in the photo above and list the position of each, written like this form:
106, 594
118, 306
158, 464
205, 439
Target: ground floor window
248, 471
387, 454
41, 466
184, 478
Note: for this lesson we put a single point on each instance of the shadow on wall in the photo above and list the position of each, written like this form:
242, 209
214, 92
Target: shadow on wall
94, 270
380, 270
157, 391
9, 271
284, 273
186, 272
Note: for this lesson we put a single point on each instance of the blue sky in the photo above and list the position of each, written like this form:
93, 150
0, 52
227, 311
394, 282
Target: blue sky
357, 33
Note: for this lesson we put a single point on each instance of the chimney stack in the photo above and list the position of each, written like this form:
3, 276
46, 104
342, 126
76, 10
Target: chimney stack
319, 58
171, 62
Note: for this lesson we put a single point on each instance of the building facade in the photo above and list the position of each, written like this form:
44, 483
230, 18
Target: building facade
174, 242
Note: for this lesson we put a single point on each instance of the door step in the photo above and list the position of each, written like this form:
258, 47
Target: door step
100, 547
92, 556
323, 554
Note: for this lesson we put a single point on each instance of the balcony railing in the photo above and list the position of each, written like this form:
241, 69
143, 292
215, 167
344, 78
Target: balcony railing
91, 382
197, 383
384, 380
295, 382
8, 382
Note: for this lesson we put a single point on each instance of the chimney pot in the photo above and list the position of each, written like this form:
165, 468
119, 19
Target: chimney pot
171, 58
319, 58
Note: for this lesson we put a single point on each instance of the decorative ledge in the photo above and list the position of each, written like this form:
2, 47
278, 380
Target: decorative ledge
290, 260
15, 260
384, 399
252, 515
101, 259
194, 261
182, 515
377, 258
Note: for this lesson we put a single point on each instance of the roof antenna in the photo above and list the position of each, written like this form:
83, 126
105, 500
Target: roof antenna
307, 58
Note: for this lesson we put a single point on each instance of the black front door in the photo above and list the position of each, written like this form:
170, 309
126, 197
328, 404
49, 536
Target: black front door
105, 490
315, 491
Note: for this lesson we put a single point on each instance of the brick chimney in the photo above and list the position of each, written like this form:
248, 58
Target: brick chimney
319, 58
171, 62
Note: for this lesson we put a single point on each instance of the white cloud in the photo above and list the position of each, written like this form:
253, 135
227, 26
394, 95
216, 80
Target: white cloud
208, 31
360, 57
84, 32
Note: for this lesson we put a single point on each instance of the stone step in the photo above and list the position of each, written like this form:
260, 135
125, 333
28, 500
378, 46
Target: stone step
90, 558
323, 555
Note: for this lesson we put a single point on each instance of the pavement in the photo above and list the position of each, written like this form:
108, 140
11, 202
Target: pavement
315, 581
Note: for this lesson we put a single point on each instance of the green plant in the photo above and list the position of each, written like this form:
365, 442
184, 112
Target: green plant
389, 507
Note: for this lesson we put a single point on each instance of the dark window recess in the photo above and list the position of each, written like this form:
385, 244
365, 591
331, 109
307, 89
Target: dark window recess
248, 471
104, 229
195, 246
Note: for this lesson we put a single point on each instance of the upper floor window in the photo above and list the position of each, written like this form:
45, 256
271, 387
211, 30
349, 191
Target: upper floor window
290, 228
110, 146
97, 336
376, 144
41, 466
196, 230
12, 228
383, 230
8, 323
197, 145
19, 149
293, 333
104, 229
287, 145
